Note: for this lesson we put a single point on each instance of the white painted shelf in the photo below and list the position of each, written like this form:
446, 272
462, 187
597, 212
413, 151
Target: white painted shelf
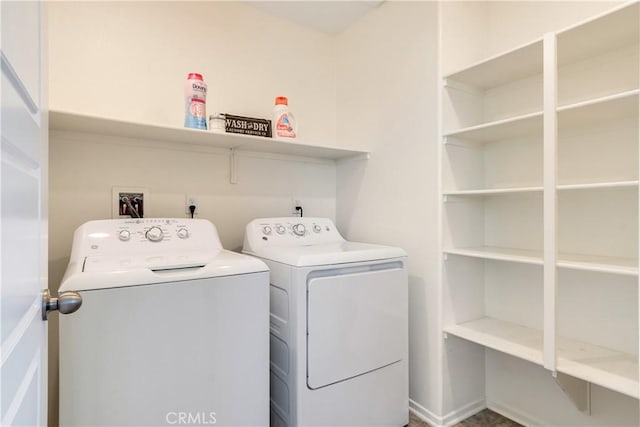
500, 254
603, 109
598, 185
494, 191
501, 129
537, 189
586, 262
515, 64
601, 34
515, 340
598, 263
72, 122
598, 365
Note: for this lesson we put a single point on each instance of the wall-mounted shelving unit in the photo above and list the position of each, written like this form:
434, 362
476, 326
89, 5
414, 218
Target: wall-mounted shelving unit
540, 216
73, 122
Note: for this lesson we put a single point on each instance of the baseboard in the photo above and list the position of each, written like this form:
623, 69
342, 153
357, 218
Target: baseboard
449, 419
514, 414
424, 414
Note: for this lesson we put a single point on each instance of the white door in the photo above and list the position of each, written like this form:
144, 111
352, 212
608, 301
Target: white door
357, 323
23, 233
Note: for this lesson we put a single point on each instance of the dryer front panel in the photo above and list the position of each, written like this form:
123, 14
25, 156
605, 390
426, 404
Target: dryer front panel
356, 323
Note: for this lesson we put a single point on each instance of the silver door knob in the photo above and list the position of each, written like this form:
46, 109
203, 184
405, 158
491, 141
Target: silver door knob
66, 303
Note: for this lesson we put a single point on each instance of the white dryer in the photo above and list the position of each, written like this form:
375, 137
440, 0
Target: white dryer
173, 330
339, 336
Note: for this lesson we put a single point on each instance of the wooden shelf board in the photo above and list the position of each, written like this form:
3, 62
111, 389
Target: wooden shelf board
515, 64
501, 129
608, 368
500, 254
73, 122
606, 32
494, 191
602, 109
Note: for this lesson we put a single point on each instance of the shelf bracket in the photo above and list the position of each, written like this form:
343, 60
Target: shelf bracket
577, 390
233, 179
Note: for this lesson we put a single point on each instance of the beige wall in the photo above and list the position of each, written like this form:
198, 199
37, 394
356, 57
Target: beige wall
129, 60
387, 101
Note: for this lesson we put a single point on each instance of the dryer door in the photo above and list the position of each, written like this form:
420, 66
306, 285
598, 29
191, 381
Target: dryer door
357, 323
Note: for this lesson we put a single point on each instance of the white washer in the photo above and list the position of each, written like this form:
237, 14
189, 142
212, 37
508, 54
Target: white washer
339, 337
173, 330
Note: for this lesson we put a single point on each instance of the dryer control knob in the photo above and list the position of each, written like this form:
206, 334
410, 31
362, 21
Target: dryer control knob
154, 234
182, 233
317, 228
266, 230
124, 235
280, 229
298, 229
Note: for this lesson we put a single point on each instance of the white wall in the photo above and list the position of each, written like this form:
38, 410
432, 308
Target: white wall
129, 61
387, 101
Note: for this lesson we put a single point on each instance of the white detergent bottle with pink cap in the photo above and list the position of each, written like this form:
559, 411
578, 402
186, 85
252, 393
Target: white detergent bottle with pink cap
284, 124
195, 93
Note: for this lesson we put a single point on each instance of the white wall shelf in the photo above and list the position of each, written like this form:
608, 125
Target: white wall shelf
598, 263
598, 185
73, 122
506, 337
599, 110
524, 256
494, 191
500, 129
598, 365
515, 64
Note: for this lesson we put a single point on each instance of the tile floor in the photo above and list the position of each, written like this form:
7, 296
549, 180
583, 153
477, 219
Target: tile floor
485, 418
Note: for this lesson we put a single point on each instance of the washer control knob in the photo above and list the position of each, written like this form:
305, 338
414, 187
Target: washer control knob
317, 228
266, 230
182, 233
154, 234
124, 235
280, 229
298, 229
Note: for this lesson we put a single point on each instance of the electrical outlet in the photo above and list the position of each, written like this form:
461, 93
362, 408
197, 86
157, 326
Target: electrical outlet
295, 202
129, 202
191, 200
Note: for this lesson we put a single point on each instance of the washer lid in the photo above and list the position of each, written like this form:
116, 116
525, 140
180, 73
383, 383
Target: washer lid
101, 272
328, 254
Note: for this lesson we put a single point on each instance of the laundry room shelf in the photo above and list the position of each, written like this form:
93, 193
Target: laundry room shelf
493, 191
597, 263
598, 185
604, 109
515, 64
510, 338
500, 254
73, 122
608, 368
500, 129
